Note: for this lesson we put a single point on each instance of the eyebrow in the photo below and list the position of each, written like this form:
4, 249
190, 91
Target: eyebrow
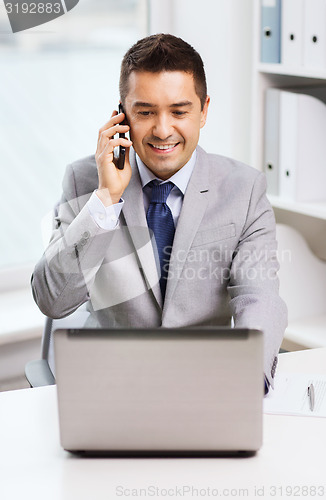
181, 104
142, 104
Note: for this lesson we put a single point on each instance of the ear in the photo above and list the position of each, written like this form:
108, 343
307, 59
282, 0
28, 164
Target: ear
204, 112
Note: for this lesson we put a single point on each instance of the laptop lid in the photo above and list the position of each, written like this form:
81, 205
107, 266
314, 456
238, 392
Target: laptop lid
196, 390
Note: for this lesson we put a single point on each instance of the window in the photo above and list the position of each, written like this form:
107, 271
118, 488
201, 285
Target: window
59, 85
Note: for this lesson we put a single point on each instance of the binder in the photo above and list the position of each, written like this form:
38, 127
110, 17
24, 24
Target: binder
270, 31
292, 32
314, 53
271, 140
302, 148
288, 145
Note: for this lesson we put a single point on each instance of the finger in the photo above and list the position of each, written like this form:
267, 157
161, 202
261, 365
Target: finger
110, 132
103, 153
109, 135
113, 143
108, 123
115, 118
103, 141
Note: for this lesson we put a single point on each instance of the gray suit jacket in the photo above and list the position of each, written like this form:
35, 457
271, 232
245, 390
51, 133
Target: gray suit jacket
223, 260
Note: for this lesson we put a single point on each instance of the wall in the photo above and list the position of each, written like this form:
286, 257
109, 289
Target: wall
221, 31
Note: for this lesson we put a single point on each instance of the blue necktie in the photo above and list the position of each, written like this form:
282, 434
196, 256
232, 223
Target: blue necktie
160, 220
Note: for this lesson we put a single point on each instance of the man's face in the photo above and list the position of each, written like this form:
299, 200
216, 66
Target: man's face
165, 118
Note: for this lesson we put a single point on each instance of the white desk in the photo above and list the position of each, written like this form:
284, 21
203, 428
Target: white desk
33, 466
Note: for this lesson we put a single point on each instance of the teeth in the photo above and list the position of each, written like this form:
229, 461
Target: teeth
168, 146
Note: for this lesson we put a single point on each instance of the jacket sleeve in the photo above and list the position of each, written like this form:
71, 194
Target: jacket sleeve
254, 284
62, 278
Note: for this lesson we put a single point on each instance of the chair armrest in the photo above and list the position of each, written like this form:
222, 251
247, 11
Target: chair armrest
38, 373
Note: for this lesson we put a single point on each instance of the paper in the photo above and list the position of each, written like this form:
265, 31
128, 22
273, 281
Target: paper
290, 395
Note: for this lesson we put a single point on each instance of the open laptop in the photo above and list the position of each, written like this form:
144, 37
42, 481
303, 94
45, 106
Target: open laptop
195, 391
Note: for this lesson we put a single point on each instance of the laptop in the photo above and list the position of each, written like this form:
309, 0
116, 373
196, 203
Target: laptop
156, 392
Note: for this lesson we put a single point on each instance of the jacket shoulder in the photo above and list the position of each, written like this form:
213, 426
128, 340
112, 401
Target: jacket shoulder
228, 167
81, 177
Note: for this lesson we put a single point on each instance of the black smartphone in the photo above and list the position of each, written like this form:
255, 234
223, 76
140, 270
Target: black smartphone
122, 149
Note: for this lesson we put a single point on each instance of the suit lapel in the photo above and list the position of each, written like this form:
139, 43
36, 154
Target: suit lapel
135, 217
193, 209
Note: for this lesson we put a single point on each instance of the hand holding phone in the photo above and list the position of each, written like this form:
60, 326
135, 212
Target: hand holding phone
114, 173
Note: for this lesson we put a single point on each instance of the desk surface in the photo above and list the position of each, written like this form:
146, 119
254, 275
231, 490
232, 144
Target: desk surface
291, 463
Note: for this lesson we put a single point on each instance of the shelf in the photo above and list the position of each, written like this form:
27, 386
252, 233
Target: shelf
308, 218
312, 209
280, 69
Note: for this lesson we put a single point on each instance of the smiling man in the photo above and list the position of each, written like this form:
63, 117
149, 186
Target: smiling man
178, 237
166, 116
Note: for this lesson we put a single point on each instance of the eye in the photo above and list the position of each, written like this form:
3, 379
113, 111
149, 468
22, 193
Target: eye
180, 113
144, 113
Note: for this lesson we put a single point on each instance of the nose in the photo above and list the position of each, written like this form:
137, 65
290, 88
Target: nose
162, 128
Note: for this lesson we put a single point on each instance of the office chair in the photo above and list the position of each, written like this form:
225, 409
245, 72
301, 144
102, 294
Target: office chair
41, 372
303, 288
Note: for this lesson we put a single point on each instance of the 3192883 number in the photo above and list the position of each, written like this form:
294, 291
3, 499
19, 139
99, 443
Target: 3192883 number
33, 8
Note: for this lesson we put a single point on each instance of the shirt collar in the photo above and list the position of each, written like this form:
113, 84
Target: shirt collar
179, 179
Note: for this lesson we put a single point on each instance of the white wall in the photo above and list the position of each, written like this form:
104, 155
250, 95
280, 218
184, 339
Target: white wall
221, 31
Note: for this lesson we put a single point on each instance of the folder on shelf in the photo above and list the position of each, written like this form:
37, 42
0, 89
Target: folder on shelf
292, 32
270, 31
271, 140
302, 148
314, 45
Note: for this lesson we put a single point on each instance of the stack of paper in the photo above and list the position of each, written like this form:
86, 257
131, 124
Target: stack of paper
290, 395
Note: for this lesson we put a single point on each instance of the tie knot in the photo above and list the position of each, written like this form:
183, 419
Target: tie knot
160, 192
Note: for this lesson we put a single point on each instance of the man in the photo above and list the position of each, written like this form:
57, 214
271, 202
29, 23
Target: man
176, 238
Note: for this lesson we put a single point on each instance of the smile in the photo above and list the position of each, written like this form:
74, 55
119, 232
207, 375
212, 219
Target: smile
164, 147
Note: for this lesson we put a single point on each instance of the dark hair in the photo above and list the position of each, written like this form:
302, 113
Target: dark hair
163, 52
